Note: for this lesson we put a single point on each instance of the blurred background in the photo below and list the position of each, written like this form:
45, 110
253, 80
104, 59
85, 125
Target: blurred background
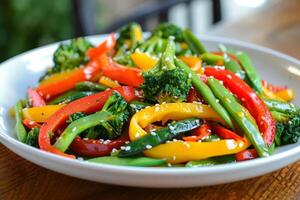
25, 24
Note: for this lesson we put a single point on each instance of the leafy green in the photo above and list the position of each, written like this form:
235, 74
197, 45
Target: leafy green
288, 132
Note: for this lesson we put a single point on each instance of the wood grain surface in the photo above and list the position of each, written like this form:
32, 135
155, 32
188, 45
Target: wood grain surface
278, 27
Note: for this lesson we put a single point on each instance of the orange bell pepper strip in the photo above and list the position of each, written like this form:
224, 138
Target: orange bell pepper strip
88, 104
126, 75
143, 61
195, 63
51, 90
286, 95
57, 77
40, 114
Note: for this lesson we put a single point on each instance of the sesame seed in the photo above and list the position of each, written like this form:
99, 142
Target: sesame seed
152, 133
148, 146
127, 148
174, 157
169, 165
122, 148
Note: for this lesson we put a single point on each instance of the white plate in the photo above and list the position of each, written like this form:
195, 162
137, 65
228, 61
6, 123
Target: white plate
24, 70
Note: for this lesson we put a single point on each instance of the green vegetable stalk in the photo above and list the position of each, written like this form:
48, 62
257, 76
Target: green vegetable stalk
240, 115
20, 129
109, 121
206, 93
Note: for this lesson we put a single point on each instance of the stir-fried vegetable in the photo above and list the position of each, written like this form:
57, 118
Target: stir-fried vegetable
157, 101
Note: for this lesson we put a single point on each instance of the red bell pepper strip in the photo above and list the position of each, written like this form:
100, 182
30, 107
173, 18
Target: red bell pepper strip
199, 133
125, 75
96, 148
192, 96
250, 100
51, 90
225, 133
103, 48
273, 88
35, 100
88, 104
247, 154
31, 124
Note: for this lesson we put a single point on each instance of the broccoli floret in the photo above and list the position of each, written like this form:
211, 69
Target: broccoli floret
288, 132
32, 137
75, 116
166, 82
69, 56
117, 107
165, 30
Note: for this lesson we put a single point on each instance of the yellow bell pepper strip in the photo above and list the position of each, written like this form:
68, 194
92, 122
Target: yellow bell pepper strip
270, 95
104, 80
195, 63
169, 111
40, 114
143, 60
286, 95
179, 151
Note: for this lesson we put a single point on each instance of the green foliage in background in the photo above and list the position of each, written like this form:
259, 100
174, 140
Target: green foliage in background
25, 24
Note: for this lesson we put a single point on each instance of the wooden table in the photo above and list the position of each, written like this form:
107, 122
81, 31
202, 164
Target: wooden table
277, 27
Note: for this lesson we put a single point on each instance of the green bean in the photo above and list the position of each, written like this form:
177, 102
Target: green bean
280, 106
193, 42
70, 96
90, 86
234, 67
280, 117
207, 94
211, 161
211, 58
135, 161
252, 75
20, 129
240, 115
159, 137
